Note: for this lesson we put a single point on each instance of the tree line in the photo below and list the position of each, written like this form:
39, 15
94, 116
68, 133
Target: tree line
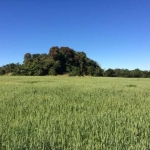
58, 61
65, 60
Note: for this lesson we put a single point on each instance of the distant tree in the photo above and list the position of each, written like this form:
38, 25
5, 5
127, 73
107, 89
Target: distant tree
74, 71
54, 53
81, 58
63, 60
98, 71
27, 58
117, 72
52, 71
67, 54
125, 73
2, 71
145, 74
9, 68
36, 56
136, 73
109, 73
16, 70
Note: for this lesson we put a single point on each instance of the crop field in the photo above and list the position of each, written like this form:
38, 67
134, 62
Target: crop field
74, 113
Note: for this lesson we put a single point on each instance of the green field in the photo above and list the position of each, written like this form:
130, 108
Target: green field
74, 113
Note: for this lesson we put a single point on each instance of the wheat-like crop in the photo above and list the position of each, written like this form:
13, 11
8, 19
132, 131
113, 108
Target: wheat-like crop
74, 113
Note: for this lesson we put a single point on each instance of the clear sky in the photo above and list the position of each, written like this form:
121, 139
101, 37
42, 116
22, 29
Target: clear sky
115, 33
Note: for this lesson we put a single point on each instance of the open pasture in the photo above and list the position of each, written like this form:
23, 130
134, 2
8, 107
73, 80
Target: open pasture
74, 113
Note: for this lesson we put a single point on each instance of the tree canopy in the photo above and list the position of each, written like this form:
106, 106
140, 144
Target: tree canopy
65, 60
58, 61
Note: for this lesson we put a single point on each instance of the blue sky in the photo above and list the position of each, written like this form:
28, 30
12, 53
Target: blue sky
115, 33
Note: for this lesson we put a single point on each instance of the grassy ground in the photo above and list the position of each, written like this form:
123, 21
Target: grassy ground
74, 113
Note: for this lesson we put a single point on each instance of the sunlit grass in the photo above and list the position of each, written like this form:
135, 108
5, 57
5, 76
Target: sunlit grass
74, 113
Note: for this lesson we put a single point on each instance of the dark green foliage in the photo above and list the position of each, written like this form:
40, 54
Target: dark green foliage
110, 73
2, 71
27, 58
126, 73
9, 68
58, 61
136, 73
65, 60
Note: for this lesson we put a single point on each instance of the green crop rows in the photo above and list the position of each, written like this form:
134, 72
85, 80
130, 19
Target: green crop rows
74, 113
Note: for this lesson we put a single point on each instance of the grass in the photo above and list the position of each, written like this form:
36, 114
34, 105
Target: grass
74, 113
